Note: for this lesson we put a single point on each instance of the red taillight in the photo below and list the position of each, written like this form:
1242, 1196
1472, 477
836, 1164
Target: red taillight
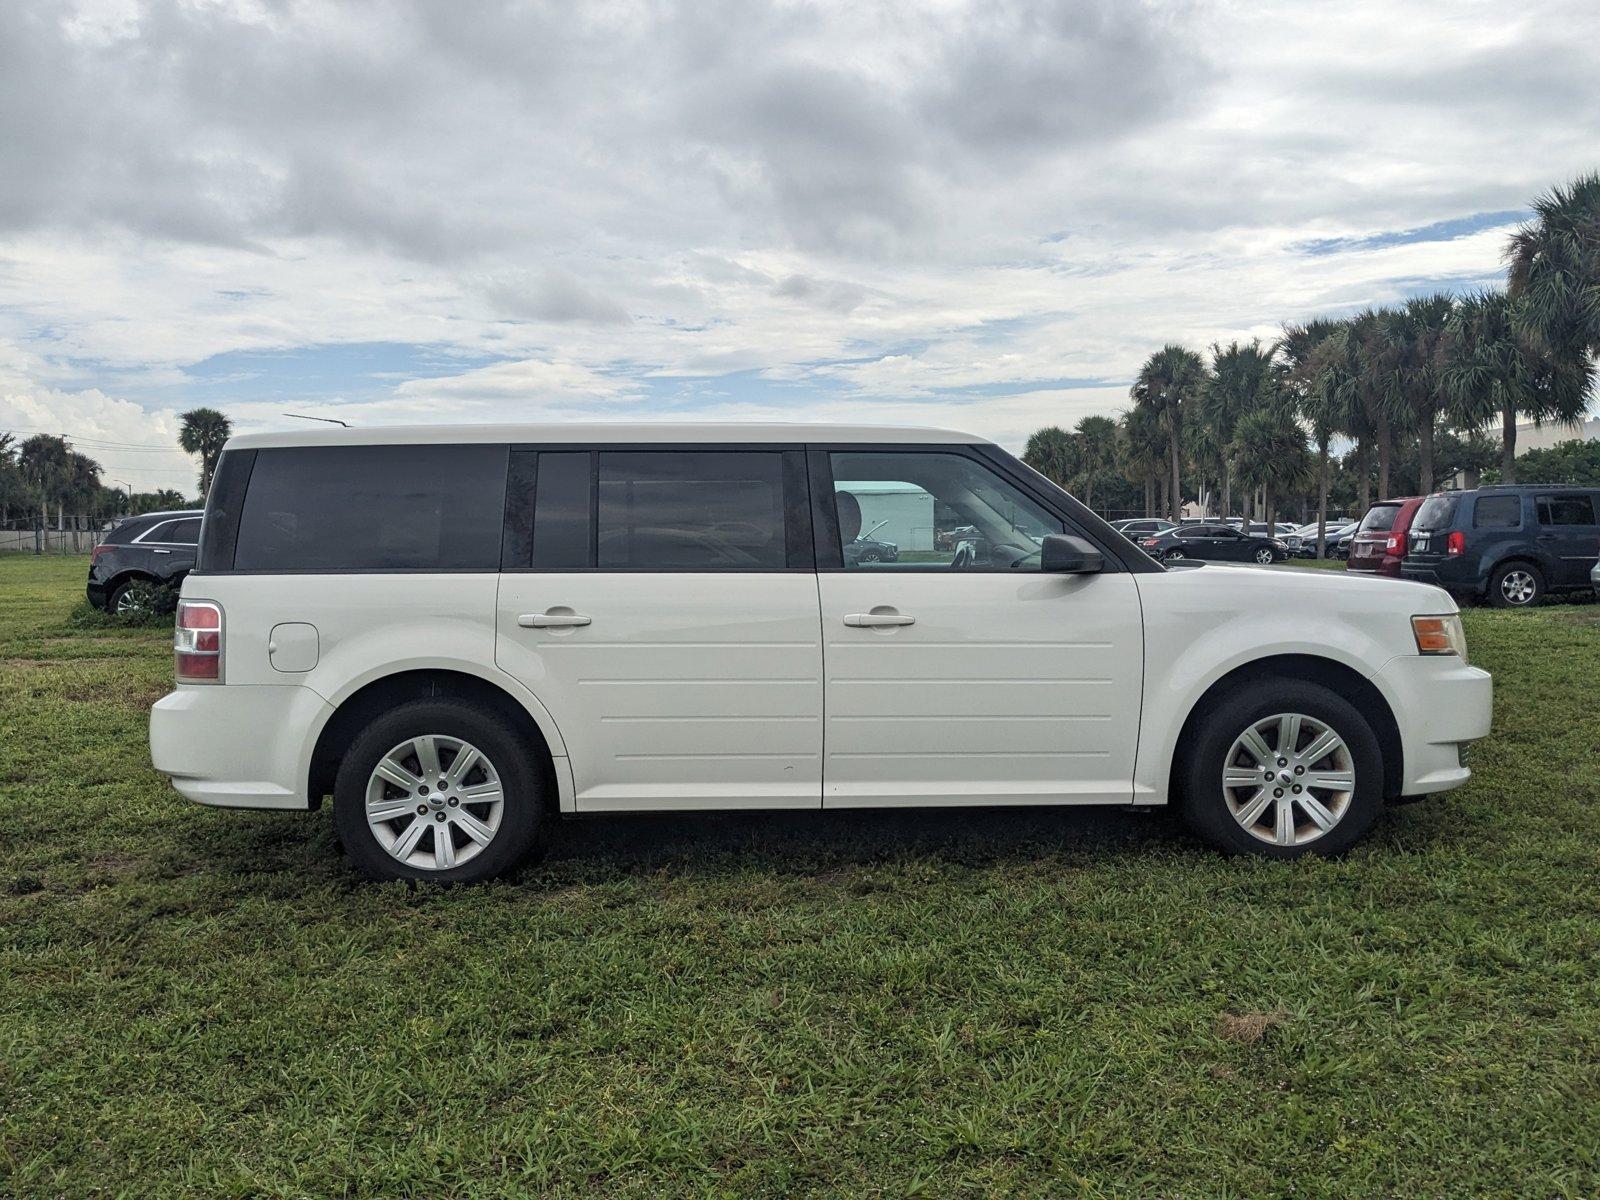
1149, 542
1395, 544
94, 555
197, 642
1456, 543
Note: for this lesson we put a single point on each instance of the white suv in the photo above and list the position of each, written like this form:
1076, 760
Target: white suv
462, 633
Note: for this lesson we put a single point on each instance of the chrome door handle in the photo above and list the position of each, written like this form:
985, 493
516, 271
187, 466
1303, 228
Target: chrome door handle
153, 551
877, 620
551, 620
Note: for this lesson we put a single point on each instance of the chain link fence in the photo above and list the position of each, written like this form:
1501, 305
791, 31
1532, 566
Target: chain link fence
65, 535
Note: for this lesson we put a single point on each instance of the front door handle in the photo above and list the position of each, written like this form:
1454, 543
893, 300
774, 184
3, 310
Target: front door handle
877, 620
161, 551
552, 620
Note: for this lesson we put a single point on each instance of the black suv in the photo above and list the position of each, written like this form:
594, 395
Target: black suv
156, 548
1510, 544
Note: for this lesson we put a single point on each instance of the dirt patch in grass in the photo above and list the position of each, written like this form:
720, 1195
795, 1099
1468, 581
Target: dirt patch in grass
1249, 1028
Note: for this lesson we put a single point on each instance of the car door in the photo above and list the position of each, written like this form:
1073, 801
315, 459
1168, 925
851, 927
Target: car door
1569, 535
1205, 541
956, 680
662, 603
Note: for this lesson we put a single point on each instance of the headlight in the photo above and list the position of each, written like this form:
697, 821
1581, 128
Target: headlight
1440, 635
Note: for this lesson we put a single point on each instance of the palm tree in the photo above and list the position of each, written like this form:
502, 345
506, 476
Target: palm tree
1554, 281
1051, 451
1169, 387
203, 432
1243, 380
1141, 453
1377, 361
46, 464
1491, 369
1271, 452
1323, 390
1416, 335
1097, 452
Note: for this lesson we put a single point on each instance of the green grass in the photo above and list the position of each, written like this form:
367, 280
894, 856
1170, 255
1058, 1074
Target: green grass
206, 1003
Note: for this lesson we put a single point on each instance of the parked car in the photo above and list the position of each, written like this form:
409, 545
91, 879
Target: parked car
1510, 544
1594, 577
868, 549
1380, 540
1215, 543
1142, 527
1302, 541
463, 633
153, 550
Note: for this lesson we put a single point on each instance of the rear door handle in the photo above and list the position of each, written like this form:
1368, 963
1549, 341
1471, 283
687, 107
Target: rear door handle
551, 620
161, 551
877, 620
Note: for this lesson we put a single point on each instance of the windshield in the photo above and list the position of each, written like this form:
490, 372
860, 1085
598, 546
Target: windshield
1379, 518
1436, 512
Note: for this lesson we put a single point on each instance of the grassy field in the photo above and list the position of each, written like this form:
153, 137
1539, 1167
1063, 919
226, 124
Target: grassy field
207, 1003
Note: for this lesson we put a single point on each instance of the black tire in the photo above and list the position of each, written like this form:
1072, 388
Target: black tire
522, 831
1199, 772
126, 588
1505, 575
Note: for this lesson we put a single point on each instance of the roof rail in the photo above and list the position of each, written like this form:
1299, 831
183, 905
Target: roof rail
1548, 487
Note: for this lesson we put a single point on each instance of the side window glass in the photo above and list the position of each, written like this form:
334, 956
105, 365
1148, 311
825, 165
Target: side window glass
934, 509
716, 510
561, 510
1565, 510
1497, 512
185, 532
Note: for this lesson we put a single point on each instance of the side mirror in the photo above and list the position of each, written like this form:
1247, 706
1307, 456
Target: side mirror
1065, 554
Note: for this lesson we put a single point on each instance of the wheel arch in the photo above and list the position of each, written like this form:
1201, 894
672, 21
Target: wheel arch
353, 712
1513, 557
1335, 676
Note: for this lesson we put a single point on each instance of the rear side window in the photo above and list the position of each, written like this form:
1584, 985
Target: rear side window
373, 508
1497, 512
1437, 512
183, 532
1565, 510
690, 511
1379, 518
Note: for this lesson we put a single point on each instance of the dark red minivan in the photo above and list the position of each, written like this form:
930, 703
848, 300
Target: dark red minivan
1380, 540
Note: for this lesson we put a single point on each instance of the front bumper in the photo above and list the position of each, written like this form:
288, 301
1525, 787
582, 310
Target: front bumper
1441, 705
237, 745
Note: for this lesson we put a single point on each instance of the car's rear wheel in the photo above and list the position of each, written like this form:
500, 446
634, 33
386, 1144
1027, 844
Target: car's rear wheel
1516, 585
132, 598
438, 789
1282, 769
1172, 555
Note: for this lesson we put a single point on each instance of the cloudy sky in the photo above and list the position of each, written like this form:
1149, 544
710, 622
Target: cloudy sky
981, 216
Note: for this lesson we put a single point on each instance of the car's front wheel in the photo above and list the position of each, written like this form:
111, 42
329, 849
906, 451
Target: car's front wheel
1265, 556
438, 789
1281, 769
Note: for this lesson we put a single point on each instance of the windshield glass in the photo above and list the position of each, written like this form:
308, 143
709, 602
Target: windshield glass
1436, 513
1379, 518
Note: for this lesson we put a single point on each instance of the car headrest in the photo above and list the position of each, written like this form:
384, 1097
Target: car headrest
849, 515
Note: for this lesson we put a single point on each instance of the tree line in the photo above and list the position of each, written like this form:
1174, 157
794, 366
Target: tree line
1410, 390
44, 475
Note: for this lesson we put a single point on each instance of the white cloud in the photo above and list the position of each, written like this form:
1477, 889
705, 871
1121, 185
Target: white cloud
891, 200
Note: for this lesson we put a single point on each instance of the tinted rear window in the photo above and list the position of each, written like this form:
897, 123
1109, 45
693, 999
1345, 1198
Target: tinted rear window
1437, 512
690, 511
373, 508
1497, 512
1379, 518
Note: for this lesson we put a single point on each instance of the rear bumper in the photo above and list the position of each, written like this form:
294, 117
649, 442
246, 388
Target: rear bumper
96, 592
1449, 573
237, 745
1441, 706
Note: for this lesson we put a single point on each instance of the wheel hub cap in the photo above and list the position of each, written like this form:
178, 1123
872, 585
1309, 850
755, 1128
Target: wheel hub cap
434, 802
1288, 779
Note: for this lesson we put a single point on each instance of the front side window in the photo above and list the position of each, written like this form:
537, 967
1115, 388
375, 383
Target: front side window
719, 510
1565, 510
373, 508
1497, 512
934, 509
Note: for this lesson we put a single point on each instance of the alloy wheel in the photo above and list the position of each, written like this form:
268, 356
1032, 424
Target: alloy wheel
1518, 587
1264, 557
434, 802
1288, 779
129, 602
